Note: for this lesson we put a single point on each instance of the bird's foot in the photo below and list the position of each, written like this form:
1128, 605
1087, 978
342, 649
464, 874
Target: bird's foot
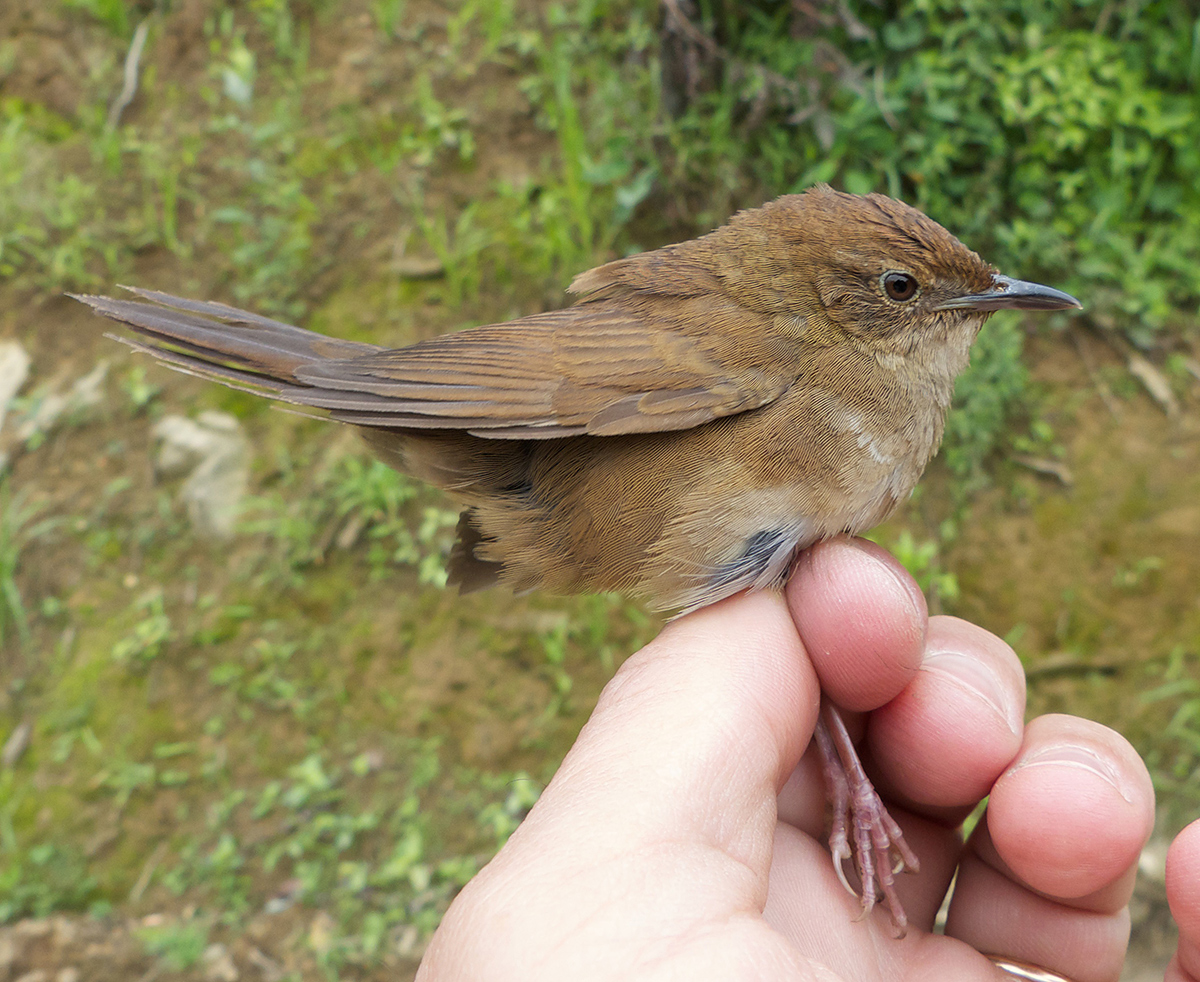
878, 848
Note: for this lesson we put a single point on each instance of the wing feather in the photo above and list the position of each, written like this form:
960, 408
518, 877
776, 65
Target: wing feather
603, 367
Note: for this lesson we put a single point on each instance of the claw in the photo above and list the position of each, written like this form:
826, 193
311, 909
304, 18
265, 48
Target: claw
840, 868
878, 842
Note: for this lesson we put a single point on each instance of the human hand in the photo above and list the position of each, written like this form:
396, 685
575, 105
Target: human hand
683, 835
1183, 893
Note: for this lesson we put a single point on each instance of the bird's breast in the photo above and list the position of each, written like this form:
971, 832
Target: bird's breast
755, 489
688, 517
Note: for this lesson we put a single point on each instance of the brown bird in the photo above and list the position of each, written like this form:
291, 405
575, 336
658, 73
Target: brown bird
698, 417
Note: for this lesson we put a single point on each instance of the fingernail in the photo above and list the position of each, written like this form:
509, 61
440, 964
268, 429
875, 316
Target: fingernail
981, 680
1074, 755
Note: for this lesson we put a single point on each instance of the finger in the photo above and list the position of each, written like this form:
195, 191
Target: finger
863, 621
692, 738
662, 816
940, 745
1183, 894
862, 618
1073, 811
1048, 874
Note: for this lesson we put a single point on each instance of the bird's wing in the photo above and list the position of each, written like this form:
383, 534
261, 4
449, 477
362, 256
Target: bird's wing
588, 369
595, 368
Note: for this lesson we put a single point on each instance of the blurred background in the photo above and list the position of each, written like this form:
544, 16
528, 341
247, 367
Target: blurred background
246, 731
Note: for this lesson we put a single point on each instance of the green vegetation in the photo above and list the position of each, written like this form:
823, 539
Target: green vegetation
17, 530
1059, 139
178, 946
298, 723
354, 498
356, 840
40, 879
1175, 760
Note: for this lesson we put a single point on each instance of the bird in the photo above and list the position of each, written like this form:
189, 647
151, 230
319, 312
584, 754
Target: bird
700, 415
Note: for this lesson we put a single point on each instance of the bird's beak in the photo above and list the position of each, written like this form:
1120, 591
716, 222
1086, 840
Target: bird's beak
1009, 294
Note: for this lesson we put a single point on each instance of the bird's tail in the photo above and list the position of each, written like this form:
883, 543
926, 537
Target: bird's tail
222, 343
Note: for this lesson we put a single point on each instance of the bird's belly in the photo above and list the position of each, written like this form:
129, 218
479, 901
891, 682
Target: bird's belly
751, 542
743, 518
685, 519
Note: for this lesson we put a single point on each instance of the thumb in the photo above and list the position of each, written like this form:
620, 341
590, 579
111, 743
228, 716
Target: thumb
660, 820
694, 736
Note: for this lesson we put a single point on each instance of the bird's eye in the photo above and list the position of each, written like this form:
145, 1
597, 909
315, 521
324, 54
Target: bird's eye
899, 286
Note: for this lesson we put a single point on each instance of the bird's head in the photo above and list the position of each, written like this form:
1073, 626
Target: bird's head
879, 272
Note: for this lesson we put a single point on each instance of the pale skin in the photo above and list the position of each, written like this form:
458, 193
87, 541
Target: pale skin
682, 837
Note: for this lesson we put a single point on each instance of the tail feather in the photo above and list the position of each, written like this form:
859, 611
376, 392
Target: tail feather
203, 367
211, 308
232, 346
357, 383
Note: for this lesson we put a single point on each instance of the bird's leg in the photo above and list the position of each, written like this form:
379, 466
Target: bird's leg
879, 849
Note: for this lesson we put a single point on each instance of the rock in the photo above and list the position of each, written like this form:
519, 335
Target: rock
34, 927
211, 450
85, 392
270, 969
14, 370
46, 410
218, 964
321, 933
16, 743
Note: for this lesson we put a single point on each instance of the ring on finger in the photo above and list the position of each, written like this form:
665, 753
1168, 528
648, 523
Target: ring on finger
1025, 971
